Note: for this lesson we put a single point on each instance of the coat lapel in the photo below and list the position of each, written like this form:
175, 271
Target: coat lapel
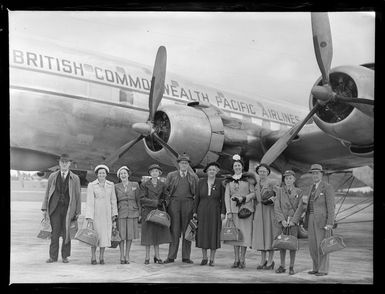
318, 190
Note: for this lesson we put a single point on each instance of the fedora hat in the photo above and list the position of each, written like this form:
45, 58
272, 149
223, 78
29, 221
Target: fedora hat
288, 173
213, 163
154, 166
65, 157
316, 167
122, 168
184, 157
101, 166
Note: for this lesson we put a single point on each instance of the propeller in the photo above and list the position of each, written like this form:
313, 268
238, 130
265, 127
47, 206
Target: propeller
323, 49
146, 129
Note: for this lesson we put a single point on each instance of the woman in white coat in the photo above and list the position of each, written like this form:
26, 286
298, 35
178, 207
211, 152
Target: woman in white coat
101, 210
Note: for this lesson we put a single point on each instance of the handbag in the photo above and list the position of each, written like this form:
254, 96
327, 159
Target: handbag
230, 232
332, 243
285, 241
191, 230
266, 197
45, 228
159, 217
115, 238
88, 235
73, 229
244, 212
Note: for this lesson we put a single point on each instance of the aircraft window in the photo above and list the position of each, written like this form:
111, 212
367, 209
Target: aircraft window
275, 126
120, 69
126, 97
256, 121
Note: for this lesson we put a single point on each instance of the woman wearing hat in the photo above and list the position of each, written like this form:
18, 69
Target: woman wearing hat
209, 209
288, 208
153, 195
101, 209
128, 211
264, 223
238, 196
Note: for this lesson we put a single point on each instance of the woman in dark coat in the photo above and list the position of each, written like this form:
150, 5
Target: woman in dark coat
153, 195
209, 209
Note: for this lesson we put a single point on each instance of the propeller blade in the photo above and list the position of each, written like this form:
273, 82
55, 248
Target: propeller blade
322, 41
157, 81
353, 100
364, 105
122, 150
281, 144
172, 153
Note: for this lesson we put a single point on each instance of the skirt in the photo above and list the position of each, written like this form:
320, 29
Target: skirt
128, 228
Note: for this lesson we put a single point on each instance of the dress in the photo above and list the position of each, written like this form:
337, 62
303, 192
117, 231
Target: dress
209, 209
245, 225
128, 210
265, 226
101, 206
153, 234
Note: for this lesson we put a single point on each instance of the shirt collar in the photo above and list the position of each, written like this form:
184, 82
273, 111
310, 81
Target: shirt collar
183, 173
237, 177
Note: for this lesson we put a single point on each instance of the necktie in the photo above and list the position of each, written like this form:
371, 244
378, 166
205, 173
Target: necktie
183, 174
63, 175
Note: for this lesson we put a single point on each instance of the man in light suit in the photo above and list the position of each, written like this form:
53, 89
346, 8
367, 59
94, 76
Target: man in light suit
62, 203
182, 185
319, 219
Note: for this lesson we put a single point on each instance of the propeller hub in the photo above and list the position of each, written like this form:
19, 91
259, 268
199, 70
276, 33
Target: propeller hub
144, 129
323, 93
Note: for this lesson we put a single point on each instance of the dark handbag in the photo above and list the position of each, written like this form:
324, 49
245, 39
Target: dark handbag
88, 235
266, 198
73, 229
285, 241
159, 217
45, 228
244, 212
191, 230
115, 238
332, 243
230, 232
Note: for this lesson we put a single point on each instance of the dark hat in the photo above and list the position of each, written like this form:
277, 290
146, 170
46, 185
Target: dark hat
64, 157
103, 166
288, 173
213, 163
184, 157
153, 166
264, 165
316, 167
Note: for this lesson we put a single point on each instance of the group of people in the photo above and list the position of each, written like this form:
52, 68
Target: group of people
260, 209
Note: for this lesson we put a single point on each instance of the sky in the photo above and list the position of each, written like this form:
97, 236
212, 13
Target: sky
258, 54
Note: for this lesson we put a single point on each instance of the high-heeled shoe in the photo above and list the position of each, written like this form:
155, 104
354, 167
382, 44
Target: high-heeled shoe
93, 261
122, 261
204, 261
101, 261
235, 264
158, 260
211, 263
146, 261
262, 266
242, 264
269, 267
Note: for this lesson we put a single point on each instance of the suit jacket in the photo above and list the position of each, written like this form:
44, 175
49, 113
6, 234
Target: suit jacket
74, 207
150, 195
128, 202
323, 205
288, 205
172, 181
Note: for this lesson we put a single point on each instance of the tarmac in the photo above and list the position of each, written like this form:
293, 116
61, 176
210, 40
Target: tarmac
352, 265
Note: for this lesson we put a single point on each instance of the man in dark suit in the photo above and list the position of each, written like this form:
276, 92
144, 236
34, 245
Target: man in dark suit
319, 219
62, 203
182, 185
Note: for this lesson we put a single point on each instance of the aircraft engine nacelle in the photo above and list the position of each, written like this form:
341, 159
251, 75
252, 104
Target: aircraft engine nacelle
343, 121
196, 129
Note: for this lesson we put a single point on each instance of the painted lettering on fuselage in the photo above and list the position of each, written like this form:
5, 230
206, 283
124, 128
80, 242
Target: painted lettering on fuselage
174, 89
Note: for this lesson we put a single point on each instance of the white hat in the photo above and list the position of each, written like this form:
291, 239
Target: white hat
120, 169
101, 166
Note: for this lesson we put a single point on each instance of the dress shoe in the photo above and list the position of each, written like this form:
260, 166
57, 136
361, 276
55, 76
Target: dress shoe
50, 260
65, 260
320, 274
157, 260
242, 264
312, 272
291, 271
204, 261
280, 270
93, 261
185, 260
127, 261
261, 266
211, 263
146, 261
168, 260
235, 264
101, 261
269, 267
122, 261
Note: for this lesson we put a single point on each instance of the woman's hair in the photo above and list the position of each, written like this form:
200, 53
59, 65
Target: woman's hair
263, 165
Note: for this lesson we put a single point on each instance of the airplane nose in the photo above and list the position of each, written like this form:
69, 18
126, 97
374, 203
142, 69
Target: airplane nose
142, 128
